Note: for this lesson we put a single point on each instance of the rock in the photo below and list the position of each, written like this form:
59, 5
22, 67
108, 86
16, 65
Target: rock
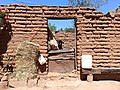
5, 80
72, 75
90, 78
1, 75
5, 77
3, 86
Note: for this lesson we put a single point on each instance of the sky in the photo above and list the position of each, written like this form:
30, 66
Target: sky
111, 5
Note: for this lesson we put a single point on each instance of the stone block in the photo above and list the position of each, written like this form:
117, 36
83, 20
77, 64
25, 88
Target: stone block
90, 78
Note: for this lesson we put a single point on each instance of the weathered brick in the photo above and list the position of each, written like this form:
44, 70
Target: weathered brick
96, 34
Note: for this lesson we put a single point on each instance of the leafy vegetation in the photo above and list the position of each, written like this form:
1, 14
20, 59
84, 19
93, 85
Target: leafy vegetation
88, 3
52, 27
69, 30
3, 12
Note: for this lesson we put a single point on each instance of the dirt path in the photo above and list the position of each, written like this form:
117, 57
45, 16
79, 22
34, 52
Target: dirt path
99, 85
64, 82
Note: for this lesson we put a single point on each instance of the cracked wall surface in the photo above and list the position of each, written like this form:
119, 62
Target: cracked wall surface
96, 34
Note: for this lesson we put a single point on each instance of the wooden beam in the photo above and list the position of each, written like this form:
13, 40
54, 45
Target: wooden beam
101, 70
61, 51
110, 70
60, 58
91, 71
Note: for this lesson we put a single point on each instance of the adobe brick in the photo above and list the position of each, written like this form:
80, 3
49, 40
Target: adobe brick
92, 22
100, 58
87, 8
84, 11
20, 8
11, 7
103, 18
32, 26
18, 25
50, 12
11, 14
117, 25
101, 32
97, 12
100, 25
38, 22
103, 54
111, 25
22, 15
17, 18
93, 15
89, 29
35, 12
102, 40
34, 19
23, 22
103, 22
117, 18
101, 50
87, 47
116, 22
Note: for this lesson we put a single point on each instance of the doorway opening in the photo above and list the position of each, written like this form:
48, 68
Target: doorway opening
62, 45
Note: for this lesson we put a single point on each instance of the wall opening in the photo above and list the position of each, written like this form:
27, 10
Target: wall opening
62, 45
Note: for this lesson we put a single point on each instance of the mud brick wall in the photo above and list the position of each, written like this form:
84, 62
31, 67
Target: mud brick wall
99, 37
96, 34
25, 24
68, 39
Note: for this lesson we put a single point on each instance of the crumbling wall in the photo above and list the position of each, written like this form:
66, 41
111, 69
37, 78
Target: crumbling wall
96, 34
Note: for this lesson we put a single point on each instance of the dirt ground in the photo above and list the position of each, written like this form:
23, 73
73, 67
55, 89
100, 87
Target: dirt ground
57, 81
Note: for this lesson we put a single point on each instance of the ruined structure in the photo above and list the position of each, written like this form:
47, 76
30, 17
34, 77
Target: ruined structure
96, 34
114, 12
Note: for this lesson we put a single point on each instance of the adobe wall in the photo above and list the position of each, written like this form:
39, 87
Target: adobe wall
26, 23
96, 34
68, 39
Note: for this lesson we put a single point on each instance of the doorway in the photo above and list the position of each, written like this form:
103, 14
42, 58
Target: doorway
62, 45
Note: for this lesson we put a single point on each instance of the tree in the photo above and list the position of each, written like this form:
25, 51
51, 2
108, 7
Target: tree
52, 27
69, 30
88, 3
61, 29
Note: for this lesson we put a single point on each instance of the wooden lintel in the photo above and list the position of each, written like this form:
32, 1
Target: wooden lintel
61, 51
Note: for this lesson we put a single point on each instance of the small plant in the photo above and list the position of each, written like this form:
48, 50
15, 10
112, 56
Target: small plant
3, 17
3, 12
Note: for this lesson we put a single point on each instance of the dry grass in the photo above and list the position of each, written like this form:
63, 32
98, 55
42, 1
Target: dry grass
26, 57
